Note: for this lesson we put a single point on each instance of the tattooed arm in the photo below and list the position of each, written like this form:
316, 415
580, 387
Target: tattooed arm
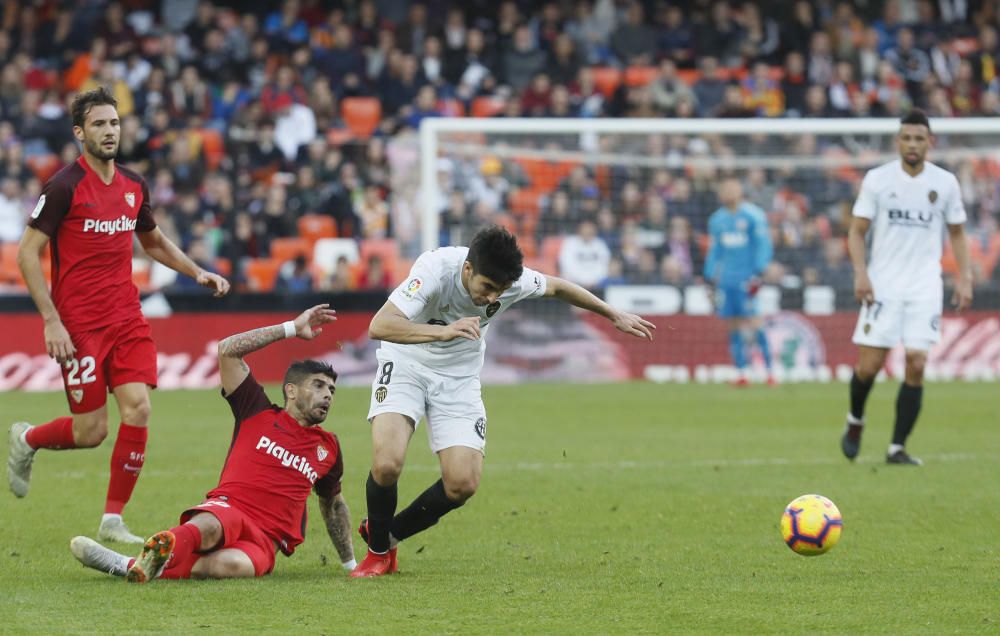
233, 370
338, 525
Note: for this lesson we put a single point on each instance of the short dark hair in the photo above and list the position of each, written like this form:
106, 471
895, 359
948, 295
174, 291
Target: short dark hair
302, 369
494, 253
83, 102
917, 117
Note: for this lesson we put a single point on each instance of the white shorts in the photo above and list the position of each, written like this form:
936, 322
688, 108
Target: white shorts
453, 406
917, 323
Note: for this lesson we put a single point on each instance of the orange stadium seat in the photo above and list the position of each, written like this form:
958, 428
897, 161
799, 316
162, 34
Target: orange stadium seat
386, 249
262, 273
361, 114
640, 75
606, 79
528, 244
542, 264
550, 248
688, 76
286, 249
43, 166
224, 267
525, 201
9, 271
212, 147
487, 106
313, 227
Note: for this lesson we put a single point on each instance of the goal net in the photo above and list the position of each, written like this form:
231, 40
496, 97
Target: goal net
647, 188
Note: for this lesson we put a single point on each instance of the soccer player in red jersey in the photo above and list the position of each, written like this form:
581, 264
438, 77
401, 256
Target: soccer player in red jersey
276, 457
94, 328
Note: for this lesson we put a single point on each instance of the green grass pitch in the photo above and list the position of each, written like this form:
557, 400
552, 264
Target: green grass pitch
633, 508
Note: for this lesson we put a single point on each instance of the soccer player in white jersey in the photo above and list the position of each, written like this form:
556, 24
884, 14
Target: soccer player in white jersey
906, 204
433, 332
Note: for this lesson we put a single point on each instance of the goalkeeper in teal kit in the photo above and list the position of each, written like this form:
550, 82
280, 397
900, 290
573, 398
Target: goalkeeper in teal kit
739, 250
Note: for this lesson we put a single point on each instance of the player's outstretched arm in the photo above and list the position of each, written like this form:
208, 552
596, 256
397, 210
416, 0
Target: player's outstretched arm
579, 297
337, 518
863, 291
29, 259
962, 298
233, 370
391, 325
163, 250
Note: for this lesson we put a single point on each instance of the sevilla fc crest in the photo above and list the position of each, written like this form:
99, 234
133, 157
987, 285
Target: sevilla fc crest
130, 199
321, 453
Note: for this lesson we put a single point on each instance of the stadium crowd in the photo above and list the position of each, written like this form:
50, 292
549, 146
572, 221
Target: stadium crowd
262, 127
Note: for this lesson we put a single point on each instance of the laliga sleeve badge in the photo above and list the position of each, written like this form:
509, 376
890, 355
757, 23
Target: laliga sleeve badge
867, 328
412, 287
380, 394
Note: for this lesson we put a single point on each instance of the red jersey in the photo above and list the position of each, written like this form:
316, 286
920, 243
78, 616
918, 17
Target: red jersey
272, 464
90, 225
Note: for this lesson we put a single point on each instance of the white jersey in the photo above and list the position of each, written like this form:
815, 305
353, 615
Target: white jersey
433, 293
908, 216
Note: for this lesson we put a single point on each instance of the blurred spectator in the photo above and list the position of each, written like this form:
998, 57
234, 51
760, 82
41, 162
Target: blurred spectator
341, 279
634, 42
667, 90
584, 257
675, 40
523, 60
294, 276
710, 88
374, 275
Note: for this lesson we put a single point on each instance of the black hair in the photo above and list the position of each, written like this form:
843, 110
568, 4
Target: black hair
83, 102
917, 117
302, 369
494, 253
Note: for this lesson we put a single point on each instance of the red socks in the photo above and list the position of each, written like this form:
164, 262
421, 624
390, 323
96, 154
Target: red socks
126, 462
185, 553
56, 435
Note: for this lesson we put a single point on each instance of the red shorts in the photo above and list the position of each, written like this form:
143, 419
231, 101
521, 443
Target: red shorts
238, 533
107, 358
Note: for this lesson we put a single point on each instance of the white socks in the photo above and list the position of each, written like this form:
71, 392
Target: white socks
853, 420
895, 448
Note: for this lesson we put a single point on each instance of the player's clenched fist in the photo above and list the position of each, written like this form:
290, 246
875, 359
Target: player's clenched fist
467, 328
213, 281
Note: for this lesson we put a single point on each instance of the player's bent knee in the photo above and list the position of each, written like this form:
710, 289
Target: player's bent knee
915, 364
225, 564
387, 470
136, 413
460, 489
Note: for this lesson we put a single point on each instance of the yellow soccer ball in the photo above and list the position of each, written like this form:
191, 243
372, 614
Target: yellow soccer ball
811, 525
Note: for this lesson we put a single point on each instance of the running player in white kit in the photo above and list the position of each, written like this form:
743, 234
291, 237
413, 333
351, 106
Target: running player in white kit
906, 204
433, 332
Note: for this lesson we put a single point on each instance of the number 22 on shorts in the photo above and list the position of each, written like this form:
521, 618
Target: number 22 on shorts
80, 371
